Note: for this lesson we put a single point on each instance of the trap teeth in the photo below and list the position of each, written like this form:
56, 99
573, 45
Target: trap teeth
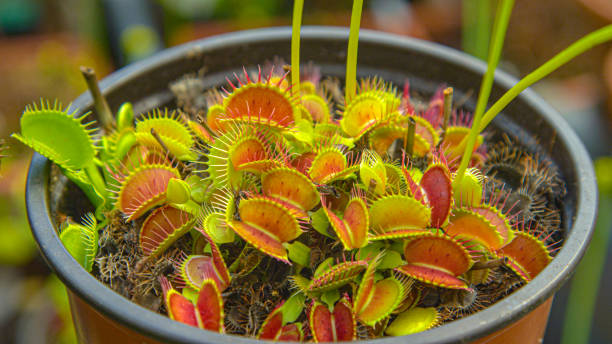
398, 212
266, 224
436, 182
352, 228
527, 255
143, 188
473, 226
261, 103
436, 259
274, 328
290, 186
337, 276
329, 165
206, 313
163, 227
376, 300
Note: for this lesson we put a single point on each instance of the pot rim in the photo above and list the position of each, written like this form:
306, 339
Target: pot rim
486, 321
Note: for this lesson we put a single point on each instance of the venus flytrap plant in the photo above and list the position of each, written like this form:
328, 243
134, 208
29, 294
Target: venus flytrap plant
266, 224
331, 164
140, 186
158, 129
414, 320
206, 313
352, 228
376, 300
436, 182
215, 226
75, 153
118, 144
275, 327
332, 325
163, 227
195, 269
262, 102
372, 169
433, 268
292, 188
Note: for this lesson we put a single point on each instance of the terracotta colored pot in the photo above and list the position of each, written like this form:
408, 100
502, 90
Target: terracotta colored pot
102, 316
93, 327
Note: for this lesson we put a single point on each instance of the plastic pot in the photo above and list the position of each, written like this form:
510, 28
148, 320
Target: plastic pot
103, 316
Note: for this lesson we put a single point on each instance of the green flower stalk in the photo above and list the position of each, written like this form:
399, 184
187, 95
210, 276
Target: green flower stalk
298, 6
587, 42
502, 18
476, 27
351, 56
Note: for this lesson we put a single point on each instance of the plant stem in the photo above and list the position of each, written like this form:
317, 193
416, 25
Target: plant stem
502, 17
298, 6
100, 104
409, 140
476, 27
351, 55
448, 107
201, 119
587, 42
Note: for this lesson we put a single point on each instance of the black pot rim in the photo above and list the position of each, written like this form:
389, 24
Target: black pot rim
475, 326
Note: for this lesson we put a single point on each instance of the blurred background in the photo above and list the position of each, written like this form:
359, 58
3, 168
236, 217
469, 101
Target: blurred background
43, 43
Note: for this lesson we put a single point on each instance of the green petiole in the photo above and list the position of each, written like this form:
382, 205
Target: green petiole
96, 179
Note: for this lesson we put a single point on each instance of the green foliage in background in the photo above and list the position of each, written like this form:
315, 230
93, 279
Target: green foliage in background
585, 283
